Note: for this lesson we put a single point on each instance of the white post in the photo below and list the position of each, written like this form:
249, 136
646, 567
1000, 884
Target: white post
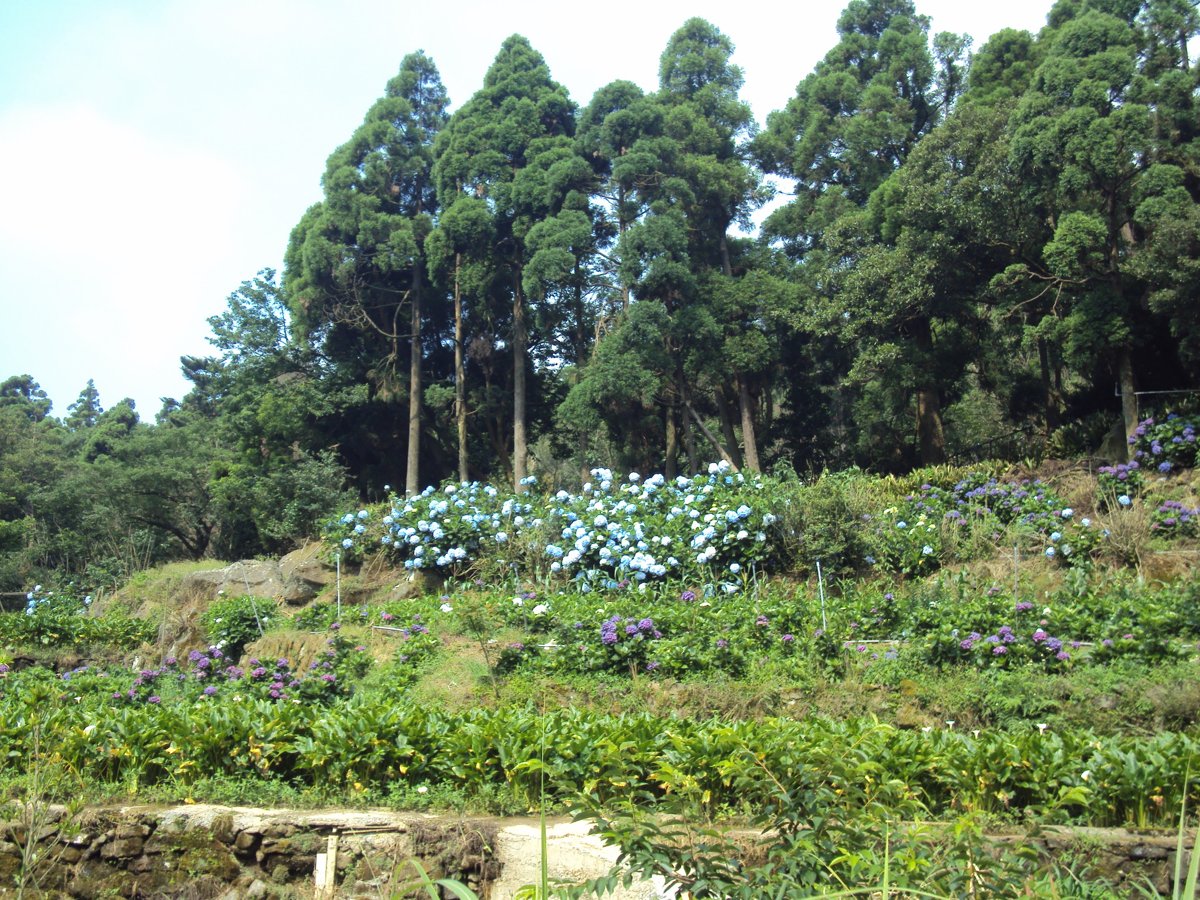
821, 589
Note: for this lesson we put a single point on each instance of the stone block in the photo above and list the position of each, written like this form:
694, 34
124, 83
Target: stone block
122, 848
245, 842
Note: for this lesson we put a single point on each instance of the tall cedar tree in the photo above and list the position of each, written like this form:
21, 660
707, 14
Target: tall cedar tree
505, 146
1106, 134
677, 182
852, 123
356, 260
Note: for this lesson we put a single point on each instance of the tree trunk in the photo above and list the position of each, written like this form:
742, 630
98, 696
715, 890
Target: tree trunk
726, 416
585, 441
580, 340
1049, 394
412, 477
520, 349
669, 467
689, 439
622, 226
931, 439
712, 438
746, 402
1129, 404
460, 375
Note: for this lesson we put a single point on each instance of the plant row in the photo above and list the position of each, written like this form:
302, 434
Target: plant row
565, 754
722, 528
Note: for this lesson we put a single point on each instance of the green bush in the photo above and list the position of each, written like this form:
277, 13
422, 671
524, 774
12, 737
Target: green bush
233, 622
62, 619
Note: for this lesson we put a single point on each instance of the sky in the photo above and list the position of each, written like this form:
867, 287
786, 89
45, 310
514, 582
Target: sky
155, 154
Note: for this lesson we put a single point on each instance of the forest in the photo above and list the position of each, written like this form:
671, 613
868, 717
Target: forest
934, 253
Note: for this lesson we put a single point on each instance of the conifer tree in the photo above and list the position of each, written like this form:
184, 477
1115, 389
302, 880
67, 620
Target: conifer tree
507, 146
356, 262
1105, 136
853, 122
86, 409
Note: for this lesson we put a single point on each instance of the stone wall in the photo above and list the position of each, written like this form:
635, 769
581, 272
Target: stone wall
200, 851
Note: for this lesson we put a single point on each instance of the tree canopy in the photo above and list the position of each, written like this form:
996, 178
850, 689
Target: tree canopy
969, 249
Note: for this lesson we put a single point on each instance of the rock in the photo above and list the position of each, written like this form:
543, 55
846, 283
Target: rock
245, 842
415, 584
257, 888
222, 828
297, 593
242, 889
1114, 447
307, 565
122, 848
1145, 851
141, 865
304, 574
250, 577
70, 855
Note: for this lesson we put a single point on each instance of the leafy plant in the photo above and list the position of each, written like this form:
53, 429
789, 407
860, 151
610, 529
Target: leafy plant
434, 887
1166, 444
233, 622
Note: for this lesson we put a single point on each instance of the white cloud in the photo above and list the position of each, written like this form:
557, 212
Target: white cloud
104, 241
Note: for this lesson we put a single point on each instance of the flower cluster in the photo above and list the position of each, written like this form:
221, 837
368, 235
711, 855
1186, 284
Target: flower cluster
1029, 502
1073, 539
1120, 479
1167, 444
909, 538
625, 645
62, 603
440, 529
1173, 517
210, 673
418, 643
713, 526
615, 629
1008, 645
613, 531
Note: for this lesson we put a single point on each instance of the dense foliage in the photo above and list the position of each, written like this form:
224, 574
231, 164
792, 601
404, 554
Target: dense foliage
319, 741
647, 669
976, 245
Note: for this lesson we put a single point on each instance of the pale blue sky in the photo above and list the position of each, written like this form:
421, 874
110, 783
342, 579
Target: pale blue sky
156, 153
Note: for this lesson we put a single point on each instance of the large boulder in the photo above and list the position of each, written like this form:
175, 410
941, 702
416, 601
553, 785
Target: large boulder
306, 566
295, 579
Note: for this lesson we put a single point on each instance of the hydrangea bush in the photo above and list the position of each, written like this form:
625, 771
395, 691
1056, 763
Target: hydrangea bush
716, 525
63, 618
1175, 518
212, 674
1166, 444
912, 538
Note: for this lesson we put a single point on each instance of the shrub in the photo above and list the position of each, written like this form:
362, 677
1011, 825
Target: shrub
234, 622
1166, 444
63, 619
714, 526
